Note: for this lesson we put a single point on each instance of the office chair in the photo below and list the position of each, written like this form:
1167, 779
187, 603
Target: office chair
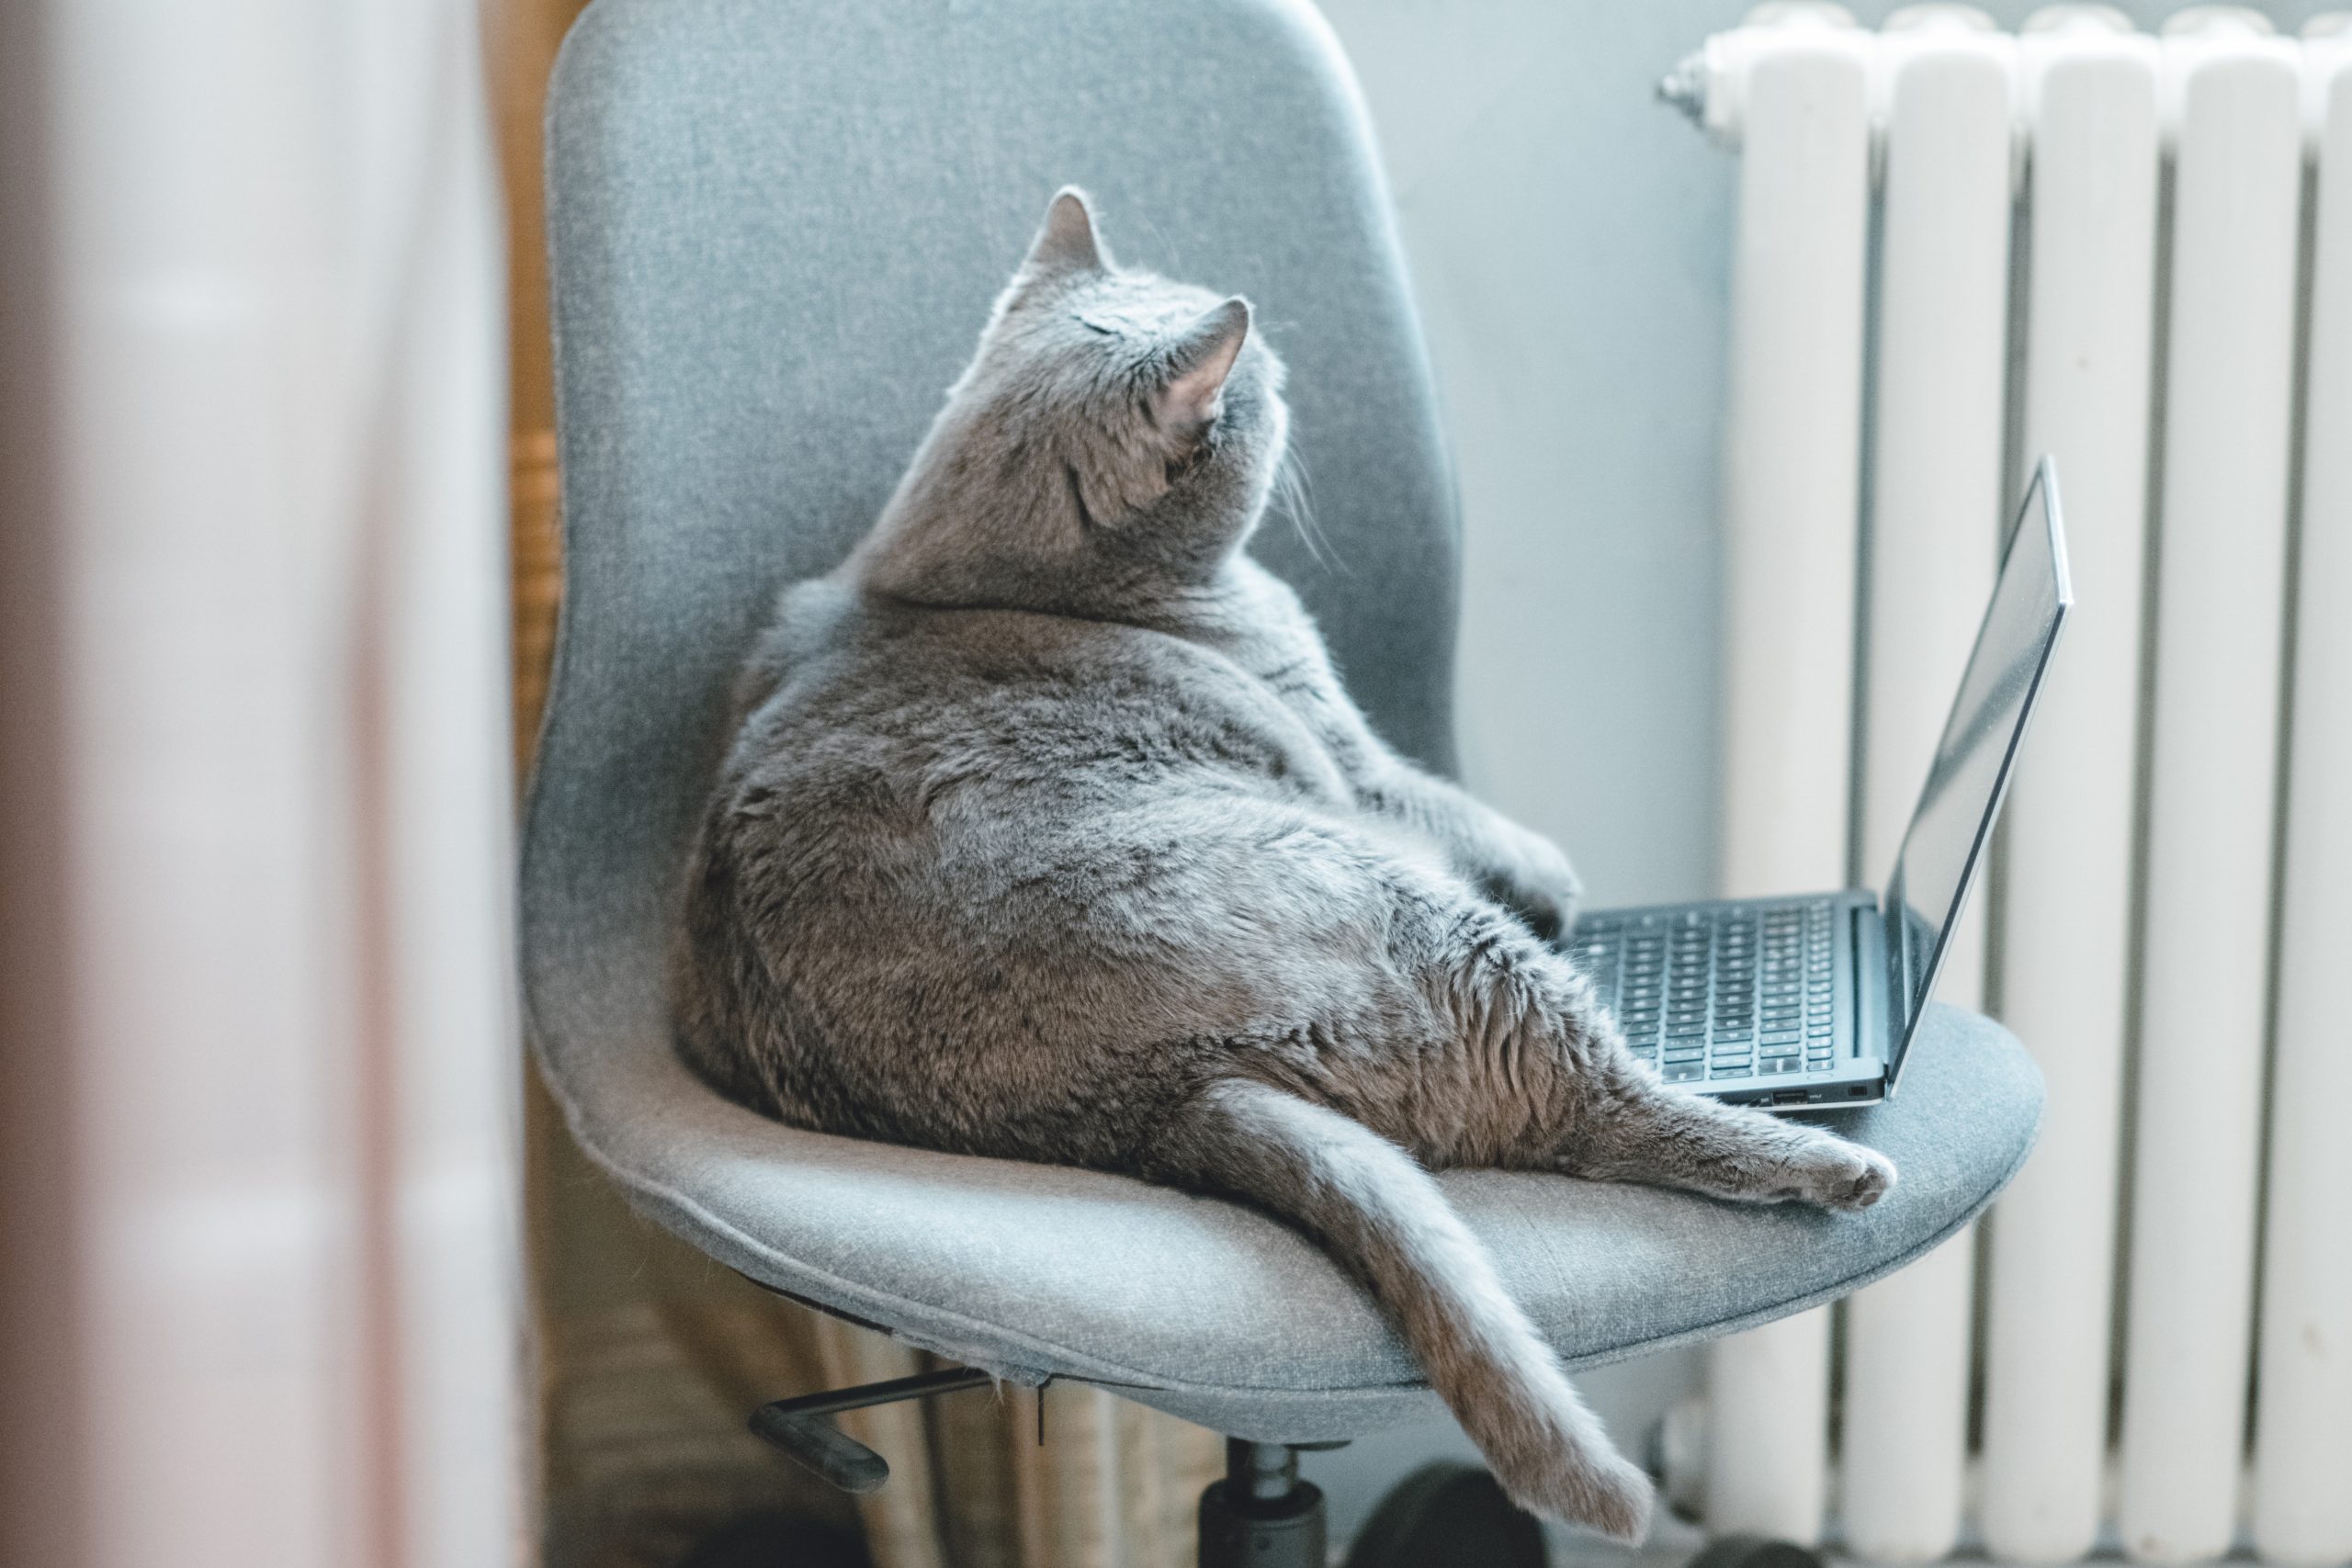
776, 228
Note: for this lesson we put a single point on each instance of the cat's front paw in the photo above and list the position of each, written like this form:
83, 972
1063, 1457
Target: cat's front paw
1536, 883
1835, 1174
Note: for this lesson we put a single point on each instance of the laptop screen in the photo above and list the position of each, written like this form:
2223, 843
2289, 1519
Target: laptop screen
1946, 841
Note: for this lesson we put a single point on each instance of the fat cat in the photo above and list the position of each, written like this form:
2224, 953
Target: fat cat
1047, 831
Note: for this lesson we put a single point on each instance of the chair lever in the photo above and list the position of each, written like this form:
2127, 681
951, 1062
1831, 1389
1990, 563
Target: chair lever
799, 1426
818, 1446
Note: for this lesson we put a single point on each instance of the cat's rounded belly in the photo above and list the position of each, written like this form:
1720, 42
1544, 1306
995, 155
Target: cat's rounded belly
1048, 984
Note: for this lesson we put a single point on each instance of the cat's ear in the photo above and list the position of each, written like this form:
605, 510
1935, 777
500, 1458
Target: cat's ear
1193, 391
1067, 241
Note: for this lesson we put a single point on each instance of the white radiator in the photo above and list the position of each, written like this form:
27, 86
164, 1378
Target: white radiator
1957, 248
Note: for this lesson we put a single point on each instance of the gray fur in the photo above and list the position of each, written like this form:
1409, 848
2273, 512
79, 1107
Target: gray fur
1049, 832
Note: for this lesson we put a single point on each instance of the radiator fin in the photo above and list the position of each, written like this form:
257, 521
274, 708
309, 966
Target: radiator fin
2303, 1457
2221, 533
1937, 499
2090, 95
1792, 454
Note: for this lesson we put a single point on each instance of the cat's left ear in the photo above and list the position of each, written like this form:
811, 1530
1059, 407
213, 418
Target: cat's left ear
1193, 392
1067, 243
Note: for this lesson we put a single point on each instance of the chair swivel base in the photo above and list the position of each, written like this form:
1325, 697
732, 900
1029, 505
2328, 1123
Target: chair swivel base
1262, 1514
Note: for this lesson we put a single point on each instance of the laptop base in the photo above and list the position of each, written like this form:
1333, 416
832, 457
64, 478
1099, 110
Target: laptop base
1773, 1002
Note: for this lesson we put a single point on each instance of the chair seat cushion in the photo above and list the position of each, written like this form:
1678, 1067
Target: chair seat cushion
1217, 1314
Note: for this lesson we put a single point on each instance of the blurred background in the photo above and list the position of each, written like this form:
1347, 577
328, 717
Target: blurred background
296, 1265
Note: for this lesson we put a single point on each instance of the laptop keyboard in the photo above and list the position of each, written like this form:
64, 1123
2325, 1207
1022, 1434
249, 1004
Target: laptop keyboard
1741, 992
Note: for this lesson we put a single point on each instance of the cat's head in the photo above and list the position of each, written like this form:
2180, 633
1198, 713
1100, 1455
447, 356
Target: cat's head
1114, 438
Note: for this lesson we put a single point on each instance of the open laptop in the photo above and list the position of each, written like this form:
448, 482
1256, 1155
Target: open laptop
1811, 1002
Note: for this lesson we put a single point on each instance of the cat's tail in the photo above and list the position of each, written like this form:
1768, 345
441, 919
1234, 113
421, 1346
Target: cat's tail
1381, 1215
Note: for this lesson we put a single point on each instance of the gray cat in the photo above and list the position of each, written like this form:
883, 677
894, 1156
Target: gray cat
1049, 832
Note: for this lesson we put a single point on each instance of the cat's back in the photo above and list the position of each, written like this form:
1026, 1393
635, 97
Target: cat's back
859, 705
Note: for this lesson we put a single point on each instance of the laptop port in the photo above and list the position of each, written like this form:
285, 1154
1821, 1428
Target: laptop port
1789, 1096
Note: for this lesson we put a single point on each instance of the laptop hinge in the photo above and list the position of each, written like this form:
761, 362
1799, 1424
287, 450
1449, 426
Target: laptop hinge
1873, 993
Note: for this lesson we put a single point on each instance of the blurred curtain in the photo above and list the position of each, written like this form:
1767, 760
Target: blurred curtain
259, 1281
652, 1355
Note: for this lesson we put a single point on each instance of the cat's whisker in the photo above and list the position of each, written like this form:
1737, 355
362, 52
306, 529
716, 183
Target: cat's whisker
1294, 492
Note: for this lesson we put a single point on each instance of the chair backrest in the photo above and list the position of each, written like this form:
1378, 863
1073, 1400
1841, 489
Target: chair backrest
776, 227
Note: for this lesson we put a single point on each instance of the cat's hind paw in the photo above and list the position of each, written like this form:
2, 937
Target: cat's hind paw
1839, 1174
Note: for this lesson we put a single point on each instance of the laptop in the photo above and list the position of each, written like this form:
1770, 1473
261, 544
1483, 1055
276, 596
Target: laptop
1811, 1002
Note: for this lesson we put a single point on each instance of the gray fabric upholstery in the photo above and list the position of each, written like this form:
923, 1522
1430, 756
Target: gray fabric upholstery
1217, 1314
777, 229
